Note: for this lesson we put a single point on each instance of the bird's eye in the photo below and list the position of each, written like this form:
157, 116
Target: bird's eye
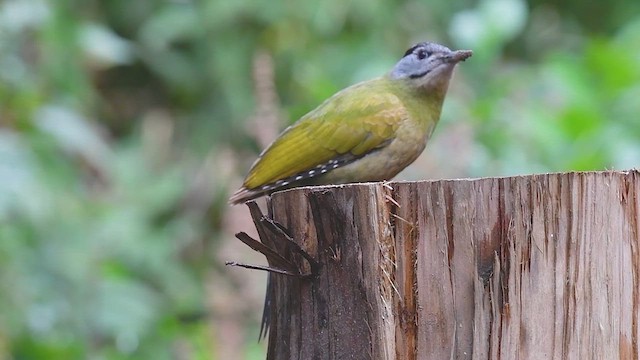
422, 54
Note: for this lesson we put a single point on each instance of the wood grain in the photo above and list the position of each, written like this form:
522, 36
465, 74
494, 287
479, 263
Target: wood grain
532, 267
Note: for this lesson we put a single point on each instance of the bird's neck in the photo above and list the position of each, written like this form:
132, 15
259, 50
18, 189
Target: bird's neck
424, 104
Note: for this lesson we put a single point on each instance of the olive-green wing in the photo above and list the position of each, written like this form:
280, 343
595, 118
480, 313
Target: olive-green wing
354, 122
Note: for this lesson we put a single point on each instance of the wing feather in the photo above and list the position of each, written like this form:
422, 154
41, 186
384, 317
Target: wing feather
356, 120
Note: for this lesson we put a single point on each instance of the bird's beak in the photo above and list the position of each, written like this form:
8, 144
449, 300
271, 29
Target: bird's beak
457, 56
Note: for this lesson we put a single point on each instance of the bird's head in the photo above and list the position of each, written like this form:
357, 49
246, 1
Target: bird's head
428, 65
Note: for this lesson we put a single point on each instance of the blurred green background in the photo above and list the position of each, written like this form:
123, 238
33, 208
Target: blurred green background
125, 125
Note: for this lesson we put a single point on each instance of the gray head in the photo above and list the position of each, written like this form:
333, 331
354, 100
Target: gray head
428, 64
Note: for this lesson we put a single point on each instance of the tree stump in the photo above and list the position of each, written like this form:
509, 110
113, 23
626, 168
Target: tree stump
530, 267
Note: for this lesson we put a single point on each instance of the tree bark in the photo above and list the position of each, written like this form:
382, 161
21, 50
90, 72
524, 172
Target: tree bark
531, 267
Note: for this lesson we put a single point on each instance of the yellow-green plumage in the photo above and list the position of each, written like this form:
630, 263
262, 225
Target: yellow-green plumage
367, 132
343, 130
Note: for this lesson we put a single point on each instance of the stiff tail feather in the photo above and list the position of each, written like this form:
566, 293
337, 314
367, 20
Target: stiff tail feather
243, 195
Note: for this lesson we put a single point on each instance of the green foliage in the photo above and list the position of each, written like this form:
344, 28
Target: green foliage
85, 243
124, 125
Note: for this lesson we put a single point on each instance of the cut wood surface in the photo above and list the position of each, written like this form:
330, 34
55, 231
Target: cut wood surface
531, 267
